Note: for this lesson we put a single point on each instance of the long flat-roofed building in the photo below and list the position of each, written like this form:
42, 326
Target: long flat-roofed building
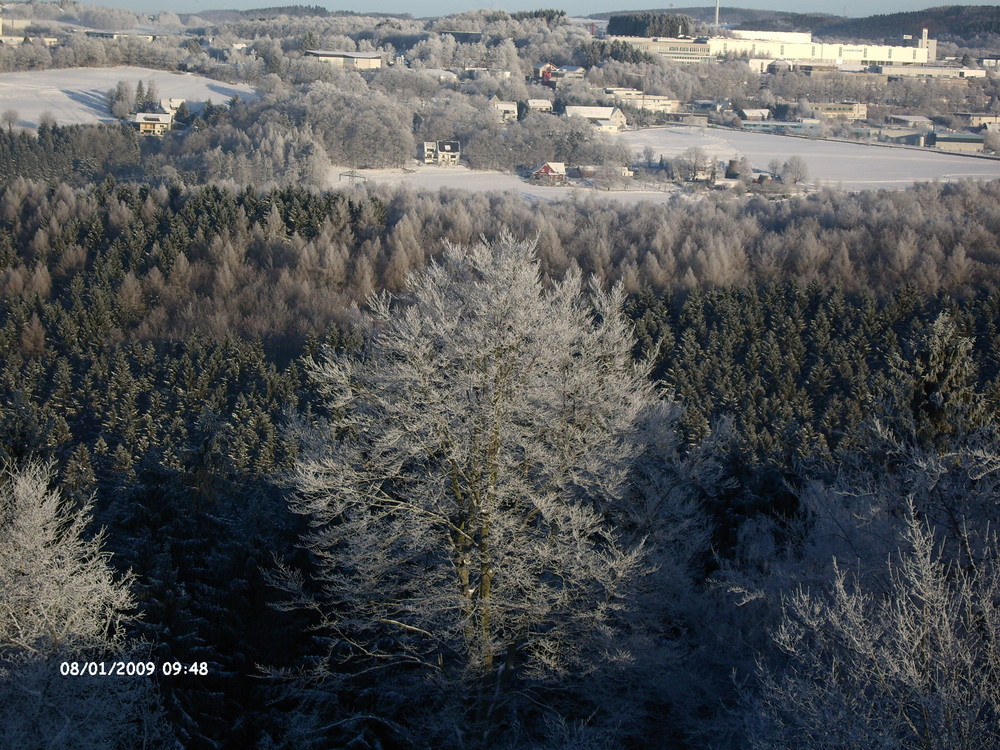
798, 48
841, 110
929, 71
978, 119
642, 100
349, 60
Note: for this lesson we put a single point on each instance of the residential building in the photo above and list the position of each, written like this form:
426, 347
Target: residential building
348, 60
543, 71
444, 153
551, 173
754, 115
607, 119
539, 105
171, 105
153, 123
506, 110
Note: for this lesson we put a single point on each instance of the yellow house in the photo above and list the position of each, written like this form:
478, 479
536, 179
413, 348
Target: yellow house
153, 123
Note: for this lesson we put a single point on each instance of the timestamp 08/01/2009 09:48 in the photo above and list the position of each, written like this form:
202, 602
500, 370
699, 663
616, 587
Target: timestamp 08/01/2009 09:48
131, 668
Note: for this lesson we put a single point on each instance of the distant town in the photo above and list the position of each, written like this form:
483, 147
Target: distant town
610, 76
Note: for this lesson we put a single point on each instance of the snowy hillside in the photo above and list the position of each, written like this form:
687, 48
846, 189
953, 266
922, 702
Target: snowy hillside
79, 95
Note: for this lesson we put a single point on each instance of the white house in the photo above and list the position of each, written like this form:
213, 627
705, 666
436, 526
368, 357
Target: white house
608, 119
445, 153
506, 110
539, 105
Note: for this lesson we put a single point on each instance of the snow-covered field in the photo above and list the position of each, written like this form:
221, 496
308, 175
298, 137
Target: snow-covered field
79, 95
854, 166
462, 178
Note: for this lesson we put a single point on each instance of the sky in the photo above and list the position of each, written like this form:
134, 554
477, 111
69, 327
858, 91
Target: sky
852, 8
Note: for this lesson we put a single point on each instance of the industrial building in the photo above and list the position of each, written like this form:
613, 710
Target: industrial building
349, 60
790, 46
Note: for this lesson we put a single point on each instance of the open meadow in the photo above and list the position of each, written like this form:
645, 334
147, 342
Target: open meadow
78, 96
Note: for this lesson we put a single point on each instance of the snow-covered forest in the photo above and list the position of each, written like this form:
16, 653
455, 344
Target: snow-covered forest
283, 467
606, 477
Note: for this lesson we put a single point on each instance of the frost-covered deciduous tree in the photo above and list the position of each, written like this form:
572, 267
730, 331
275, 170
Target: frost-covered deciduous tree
916, 665
61, 602
464, 498
795, 170
57, 591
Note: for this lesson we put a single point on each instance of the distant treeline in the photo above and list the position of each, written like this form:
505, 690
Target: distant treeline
218, 261
649, 24
597, 52
962, 21
954, 21
549, 15
295, 11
